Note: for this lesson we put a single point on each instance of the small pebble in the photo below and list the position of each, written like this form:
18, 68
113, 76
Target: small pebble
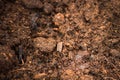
58, 19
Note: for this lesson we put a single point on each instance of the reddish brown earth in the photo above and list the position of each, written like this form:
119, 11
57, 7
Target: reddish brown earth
59, 39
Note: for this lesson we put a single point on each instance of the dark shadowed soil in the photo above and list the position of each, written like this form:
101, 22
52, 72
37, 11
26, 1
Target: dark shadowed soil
59, 39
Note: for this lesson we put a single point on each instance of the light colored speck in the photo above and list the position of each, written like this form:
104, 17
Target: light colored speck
59, 46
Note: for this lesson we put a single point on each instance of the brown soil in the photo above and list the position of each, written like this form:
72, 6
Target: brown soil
59, 39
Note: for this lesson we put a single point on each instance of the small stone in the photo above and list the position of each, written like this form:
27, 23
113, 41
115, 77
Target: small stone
59, 46
58, 19
45, 45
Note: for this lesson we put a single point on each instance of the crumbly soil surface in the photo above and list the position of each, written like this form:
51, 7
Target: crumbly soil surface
59, 39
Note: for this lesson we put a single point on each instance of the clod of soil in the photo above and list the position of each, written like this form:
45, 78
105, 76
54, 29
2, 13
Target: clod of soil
58, 19
45, 45
48, 8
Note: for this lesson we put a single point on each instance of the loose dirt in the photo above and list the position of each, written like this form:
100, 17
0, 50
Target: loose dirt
59, 40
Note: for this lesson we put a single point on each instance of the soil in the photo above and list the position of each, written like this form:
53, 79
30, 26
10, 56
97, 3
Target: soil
60, 40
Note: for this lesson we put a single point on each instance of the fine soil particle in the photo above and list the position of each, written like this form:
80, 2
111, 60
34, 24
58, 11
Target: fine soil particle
60, 39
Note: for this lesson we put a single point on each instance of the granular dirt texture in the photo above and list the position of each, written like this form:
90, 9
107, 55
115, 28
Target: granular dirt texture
59, 39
